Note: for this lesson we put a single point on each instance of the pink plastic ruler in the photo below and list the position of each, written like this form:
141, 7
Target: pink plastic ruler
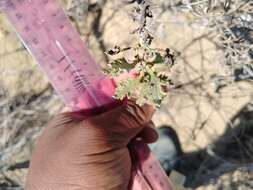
49, 36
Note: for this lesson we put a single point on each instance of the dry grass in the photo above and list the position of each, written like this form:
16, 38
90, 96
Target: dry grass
209, 105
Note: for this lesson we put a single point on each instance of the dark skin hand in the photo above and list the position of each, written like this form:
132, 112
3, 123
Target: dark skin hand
76, 153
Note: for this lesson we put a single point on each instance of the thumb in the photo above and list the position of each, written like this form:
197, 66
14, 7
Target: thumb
122, 124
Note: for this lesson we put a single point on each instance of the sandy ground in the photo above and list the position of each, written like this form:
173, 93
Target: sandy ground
198, 114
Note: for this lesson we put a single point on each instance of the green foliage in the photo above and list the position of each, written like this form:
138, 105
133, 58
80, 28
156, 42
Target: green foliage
151, 68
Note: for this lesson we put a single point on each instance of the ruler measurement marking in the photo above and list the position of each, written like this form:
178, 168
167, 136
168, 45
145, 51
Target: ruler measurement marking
27, 28
81, 81
69, 39
45, 2
76, 71
67, 67
84, 84
19, 16
23, 13
10, 4
35, 41
43, 53
61, 59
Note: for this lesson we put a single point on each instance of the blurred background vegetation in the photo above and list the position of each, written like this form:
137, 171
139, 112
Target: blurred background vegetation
210, 105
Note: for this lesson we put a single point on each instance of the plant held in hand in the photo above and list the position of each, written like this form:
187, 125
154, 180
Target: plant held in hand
147, 69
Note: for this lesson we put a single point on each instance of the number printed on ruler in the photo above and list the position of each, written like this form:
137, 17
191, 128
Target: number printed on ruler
49, 36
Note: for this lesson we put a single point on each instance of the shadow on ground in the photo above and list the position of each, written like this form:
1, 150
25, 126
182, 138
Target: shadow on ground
233, 150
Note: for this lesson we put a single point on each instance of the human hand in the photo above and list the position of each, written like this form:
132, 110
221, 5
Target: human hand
75, 152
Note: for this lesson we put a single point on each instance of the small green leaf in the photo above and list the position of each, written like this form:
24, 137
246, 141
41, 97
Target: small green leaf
159, 58
152, 76
126, 88
122, 64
